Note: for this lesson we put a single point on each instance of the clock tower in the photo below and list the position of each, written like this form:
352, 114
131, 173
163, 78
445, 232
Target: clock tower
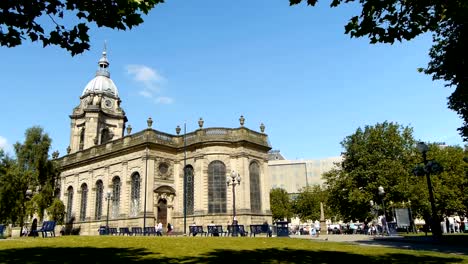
98, 118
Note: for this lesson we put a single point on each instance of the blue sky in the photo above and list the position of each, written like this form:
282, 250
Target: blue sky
292, 68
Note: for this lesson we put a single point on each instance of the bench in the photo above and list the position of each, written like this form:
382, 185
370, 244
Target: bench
113, 231
124, 231
150, 230
194, 230
137, 231
47, 226
235, 230
216, 230
259, 229
2, 229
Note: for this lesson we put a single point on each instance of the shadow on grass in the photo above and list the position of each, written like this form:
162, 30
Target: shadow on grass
89, 255
455, 244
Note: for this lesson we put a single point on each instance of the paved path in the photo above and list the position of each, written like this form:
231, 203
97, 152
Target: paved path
419, 243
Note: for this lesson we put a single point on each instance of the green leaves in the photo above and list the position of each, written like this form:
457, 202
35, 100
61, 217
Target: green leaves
307, 203
280, 204
379, 155
21, 19
31, 171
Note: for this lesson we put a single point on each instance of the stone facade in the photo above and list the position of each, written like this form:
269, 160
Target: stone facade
138, 179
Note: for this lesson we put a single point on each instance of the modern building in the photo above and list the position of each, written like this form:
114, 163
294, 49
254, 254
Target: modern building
137, 179
293, 175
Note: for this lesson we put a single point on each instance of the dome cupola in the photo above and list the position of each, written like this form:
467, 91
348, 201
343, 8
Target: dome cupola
102, 83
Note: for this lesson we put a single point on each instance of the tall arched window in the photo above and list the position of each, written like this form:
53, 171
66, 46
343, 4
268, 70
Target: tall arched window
115, 197
255, 195
190, 189
82, 138
69, 202
57, 193
216, 187
135, 194
104, 135
99, 193
84, 201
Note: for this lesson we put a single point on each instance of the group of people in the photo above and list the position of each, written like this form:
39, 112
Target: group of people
159, 229
454, 224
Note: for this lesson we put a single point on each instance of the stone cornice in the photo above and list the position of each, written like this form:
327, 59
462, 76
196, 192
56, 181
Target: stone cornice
160, 141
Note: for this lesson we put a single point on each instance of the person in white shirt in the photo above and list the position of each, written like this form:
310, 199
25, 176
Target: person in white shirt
159, 229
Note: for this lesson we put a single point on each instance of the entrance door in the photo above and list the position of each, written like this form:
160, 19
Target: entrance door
162, 211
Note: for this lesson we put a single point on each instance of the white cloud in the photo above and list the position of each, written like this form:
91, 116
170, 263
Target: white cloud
5, 145
151, 81
164, 100
3, 142
145, 93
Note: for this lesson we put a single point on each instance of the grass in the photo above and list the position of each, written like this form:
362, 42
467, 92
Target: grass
115, 249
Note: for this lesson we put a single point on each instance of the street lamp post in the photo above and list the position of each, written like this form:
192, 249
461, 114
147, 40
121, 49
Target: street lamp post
382, 194
108, 198
435, 223
375, 214
233, 179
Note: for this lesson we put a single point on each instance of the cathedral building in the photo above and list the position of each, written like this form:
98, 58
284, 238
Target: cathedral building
112, 176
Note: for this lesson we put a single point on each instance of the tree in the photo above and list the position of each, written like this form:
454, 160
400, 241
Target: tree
28, 183
280, 204
307, 203
379, 155
10, 198
44, 20
387, 21
450, 182
57, 211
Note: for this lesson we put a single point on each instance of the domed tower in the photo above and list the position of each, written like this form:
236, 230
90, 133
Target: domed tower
98, 118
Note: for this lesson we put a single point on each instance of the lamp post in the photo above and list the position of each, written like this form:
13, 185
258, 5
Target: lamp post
375, 215
233, 179
435, 223
382, 194
108, 198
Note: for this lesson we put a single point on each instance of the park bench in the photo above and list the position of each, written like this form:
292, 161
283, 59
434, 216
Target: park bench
2, 229
124, 231
194, 230
235, 230
150, 230
137, 231
113, 231
47, 227
259, 229
216, 230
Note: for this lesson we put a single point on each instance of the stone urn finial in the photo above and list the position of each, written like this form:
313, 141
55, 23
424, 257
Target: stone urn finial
68, 150
55, 154
177, 129
241, 120
200, 122
149, 122
262, 127
129, 129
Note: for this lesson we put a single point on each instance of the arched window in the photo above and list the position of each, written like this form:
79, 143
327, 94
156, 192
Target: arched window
135, 194
104, 135
57, 193
82, 139
84, 201
190, 189
255, 195
216, 187
115, 197
69, 202
99, 193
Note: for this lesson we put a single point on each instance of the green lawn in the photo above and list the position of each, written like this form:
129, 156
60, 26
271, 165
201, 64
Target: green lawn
115, 249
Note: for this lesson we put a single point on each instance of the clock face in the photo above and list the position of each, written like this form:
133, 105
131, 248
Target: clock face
108, 103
